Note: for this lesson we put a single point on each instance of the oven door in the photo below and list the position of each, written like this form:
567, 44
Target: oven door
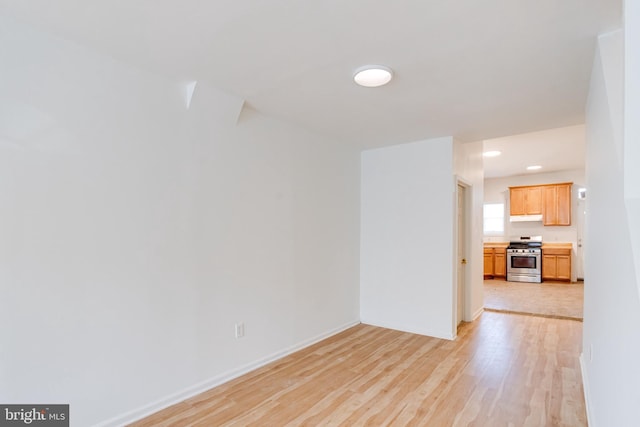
523, 263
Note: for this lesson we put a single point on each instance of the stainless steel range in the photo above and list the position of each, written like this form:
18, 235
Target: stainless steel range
524, 260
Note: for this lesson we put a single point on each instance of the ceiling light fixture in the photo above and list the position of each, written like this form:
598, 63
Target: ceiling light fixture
373, 75
493, 153
534, 167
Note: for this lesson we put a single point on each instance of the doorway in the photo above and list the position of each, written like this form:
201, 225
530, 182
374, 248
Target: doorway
461, 251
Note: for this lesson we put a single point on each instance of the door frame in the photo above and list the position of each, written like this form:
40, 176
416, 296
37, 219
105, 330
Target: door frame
581, 209
466, 287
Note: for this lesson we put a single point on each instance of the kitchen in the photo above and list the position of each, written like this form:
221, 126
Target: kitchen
538, 212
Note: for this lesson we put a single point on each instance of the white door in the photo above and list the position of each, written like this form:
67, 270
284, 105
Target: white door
462, 261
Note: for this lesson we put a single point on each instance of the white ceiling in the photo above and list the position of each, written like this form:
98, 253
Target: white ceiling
555, 150
471, 69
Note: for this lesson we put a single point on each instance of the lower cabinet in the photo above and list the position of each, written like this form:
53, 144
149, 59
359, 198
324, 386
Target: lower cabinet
556, 264
495, 263
488, 263
500, 263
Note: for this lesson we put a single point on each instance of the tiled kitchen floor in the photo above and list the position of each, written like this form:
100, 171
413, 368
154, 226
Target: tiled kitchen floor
557, 300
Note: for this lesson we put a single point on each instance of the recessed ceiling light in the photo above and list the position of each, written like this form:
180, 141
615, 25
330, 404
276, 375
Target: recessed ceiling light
494, 153
373, 75
534, 167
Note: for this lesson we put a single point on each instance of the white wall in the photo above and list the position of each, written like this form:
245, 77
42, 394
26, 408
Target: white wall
468, 165
406, 267
135, 233
611, 350
632, 125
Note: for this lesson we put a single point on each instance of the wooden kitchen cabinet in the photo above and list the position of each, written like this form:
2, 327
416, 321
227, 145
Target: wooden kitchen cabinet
552, 201
500, 263
557, 204
556, 264
525, 200
488, 263
495, 262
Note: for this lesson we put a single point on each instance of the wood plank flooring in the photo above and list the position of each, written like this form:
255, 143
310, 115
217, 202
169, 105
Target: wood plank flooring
559, 300
503, 370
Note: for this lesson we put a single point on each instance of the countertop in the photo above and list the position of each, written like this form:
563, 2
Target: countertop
557, 245
499, 245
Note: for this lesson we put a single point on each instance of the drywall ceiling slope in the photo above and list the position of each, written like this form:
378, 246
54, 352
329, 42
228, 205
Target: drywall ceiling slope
474, 70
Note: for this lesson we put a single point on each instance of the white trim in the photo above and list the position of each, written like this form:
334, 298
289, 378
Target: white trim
468, 281
461, 180
477, 314
587, 392
172, 399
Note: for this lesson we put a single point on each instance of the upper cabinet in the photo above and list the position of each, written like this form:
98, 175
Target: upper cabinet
557, 204
526, 200
552, 201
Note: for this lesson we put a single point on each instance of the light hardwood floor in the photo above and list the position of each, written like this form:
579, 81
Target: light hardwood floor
503, 370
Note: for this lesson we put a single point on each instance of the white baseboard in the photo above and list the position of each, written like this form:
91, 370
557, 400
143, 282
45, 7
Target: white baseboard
587, 392
477, 313
172, 399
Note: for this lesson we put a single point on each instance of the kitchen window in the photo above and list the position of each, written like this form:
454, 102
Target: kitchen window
493, 223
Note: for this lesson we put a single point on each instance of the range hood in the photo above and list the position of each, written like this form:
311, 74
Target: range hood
525, 218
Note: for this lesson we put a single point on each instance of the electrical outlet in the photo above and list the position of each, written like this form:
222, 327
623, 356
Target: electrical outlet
239, 330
